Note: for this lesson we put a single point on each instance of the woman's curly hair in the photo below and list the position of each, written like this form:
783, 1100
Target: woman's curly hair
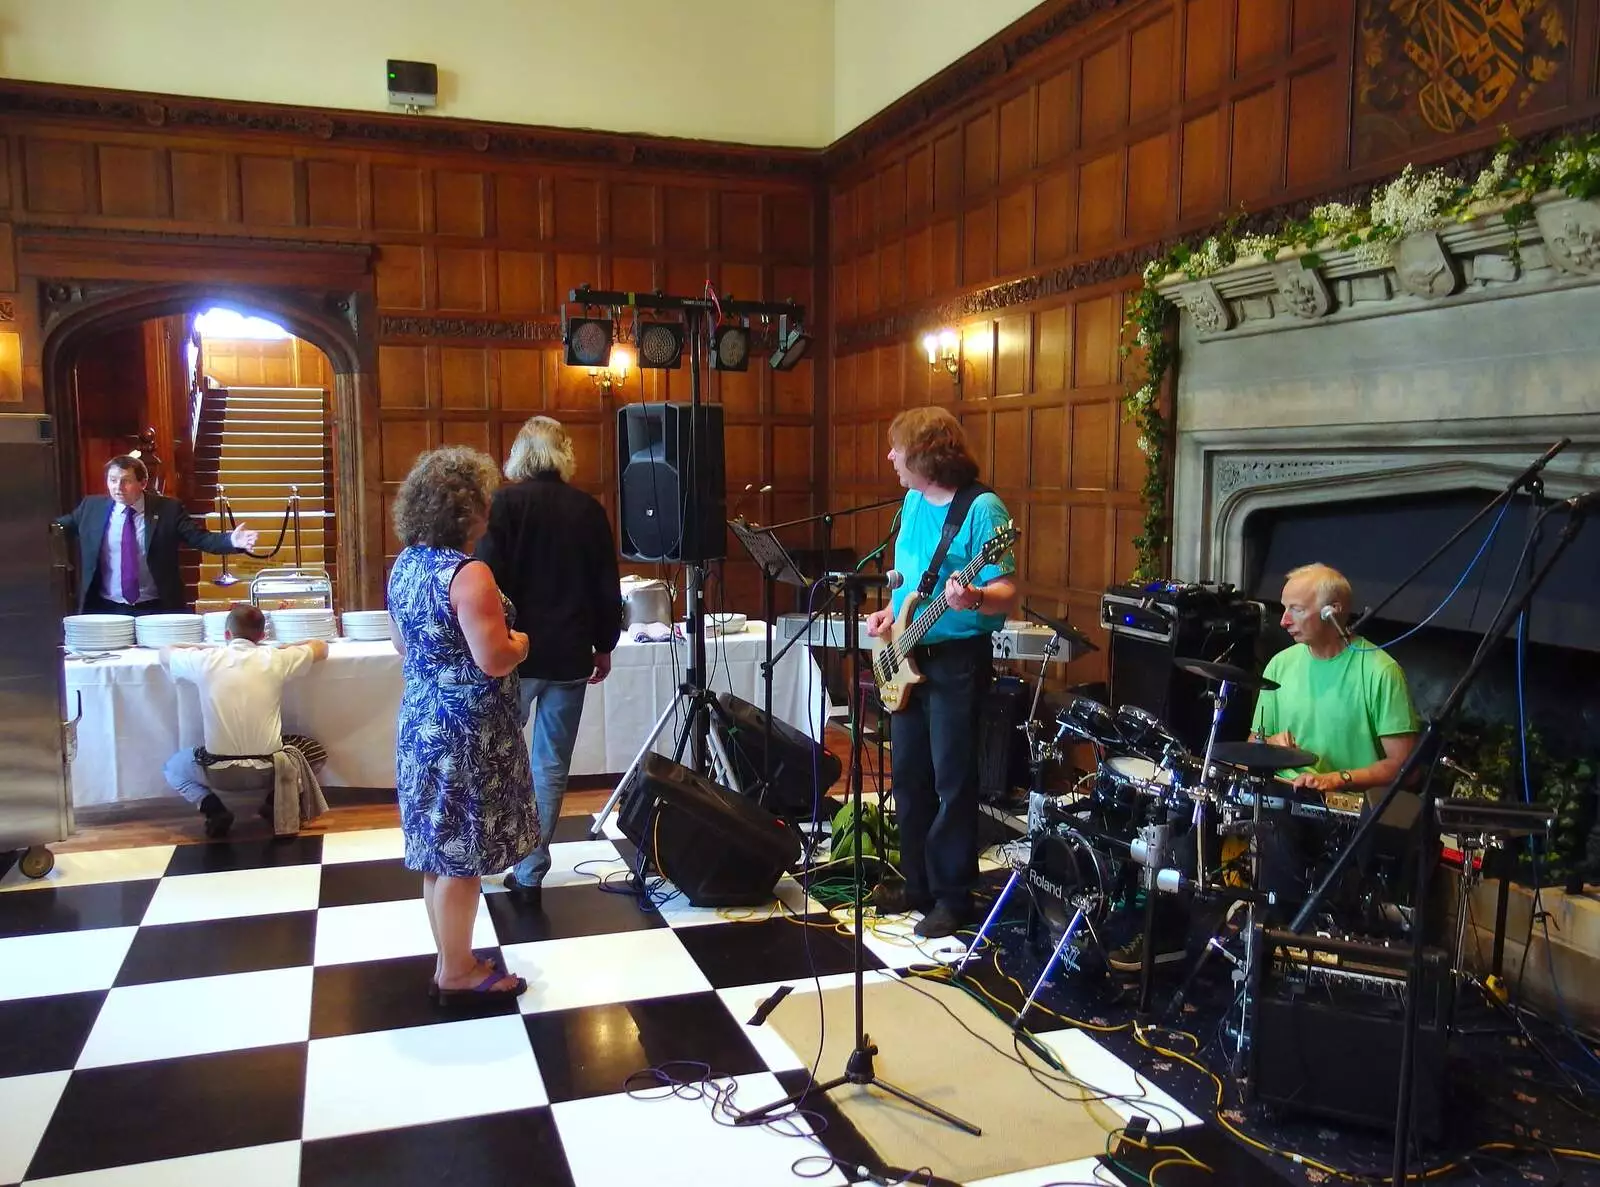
446, 492
934, 445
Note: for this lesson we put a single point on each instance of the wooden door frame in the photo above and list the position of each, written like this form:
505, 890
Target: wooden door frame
91, 283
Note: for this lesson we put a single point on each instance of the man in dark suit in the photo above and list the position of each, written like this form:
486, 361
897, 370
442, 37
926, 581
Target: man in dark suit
128, 542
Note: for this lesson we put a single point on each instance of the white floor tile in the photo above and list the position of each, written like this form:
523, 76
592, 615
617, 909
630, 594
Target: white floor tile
1092, 1063
235, 894
679, 912
204, 1014
380, 931
612, 829
367, 844
894, 942
1085, 1170
420, 1075
596, 970
62, 962
598, 859
672, 1142
743, 1001
100, 865
277, 1165
26, 1104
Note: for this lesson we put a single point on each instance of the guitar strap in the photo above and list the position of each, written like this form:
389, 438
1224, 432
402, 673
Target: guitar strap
953, 519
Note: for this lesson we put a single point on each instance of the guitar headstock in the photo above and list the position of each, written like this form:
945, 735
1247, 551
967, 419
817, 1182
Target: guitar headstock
1000, 543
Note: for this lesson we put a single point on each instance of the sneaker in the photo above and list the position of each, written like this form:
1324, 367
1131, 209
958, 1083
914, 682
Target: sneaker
892, 898
522, 894
1130, 957
944, 920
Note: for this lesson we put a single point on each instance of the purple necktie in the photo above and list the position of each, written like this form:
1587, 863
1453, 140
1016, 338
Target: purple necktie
130, 558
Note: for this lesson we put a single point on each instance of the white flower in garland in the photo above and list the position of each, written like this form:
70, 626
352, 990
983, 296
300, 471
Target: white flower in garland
1145, 446
1412, 201
1144, 397
1265, 246
1492, 178
1338, 218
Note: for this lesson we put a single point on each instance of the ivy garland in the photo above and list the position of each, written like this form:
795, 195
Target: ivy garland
1412, 202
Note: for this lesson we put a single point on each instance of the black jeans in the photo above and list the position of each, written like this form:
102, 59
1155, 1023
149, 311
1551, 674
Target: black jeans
935, 770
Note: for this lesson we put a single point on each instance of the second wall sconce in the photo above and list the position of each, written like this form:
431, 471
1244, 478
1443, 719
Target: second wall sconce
615, 373
944, 351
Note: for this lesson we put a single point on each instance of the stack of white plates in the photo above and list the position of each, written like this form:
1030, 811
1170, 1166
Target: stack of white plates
367, 625
217, 626
160, 630
98, 632
296, 626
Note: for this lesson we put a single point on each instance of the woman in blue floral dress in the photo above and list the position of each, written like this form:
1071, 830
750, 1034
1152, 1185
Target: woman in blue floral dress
466, 796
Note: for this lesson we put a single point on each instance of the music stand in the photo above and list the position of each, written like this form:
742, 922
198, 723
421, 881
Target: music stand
776, 564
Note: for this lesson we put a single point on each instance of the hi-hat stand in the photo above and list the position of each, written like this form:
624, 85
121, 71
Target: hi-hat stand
859, 1067
1516, 603
698, 704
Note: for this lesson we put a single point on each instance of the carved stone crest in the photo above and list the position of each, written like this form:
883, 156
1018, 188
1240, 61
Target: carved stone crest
1424, 267
1572, 235
1304, 292
1205, 307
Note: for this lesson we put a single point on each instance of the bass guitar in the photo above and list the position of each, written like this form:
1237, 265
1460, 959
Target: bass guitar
892, 668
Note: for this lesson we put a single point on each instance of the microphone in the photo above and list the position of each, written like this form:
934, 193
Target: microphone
1584, 501
892, 579
1328, 614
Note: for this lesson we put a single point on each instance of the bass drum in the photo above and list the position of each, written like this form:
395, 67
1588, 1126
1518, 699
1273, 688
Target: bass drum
1064, 871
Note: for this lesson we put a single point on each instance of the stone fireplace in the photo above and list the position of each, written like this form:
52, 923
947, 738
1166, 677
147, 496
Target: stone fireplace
1449, 370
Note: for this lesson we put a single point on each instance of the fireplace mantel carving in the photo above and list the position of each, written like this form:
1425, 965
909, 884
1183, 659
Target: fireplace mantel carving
1448, 369
1479, 260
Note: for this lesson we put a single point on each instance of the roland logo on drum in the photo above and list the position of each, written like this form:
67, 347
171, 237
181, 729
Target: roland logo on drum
1047, 885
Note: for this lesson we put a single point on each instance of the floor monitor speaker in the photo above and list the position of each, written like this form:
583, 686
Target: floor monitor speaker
719, 849
802, 771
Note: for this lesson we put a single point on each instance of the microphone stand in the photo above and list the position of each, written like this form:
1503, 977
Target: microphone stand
1514, 606
1527, 478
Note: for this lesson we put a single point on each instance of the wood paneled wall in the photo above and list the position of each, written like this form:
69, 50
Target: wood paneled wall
1149, 124
477, 240
269, 362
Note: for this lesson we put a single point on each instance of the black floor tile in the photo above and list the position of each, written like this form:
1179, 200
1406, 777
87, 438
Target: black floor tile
567, 912
172, 1108
214, 948
772, 950
841, 1139
75, 908
592, 1051
573, 828
215, 857
347, 884
377, 995
45, 1034
520, 1149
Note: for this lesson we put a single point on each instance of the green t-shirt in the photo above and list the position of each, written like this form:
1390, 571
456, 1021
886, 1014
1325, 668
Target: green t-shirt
1336, 708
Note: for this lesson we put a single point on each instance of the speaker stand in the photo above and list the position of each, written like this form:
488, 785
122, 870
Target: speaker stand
858, 1068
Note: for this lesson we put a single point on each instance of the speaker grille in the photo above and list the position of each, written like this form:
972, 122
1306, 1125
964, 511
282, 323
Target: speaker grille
651, 515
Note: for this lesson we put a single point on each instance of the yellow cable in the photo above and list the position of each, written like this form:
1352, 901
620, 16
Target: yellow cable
1194, 1162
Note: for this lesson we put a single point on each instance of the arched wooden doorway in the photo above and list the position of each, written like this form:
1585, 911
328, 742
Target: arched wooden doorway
339, 322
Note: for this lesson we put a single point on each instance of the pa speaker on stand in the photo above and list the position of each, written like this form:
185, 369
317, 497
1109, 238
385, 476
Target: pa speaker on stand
661, 448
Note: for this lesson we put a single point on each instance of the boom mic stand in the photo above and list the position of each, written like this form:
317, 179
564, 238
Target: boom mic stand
858, 1068
1577, 512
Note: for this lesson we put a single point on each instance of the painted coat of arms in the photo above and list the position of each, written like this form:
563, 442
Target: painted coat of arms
1427, 69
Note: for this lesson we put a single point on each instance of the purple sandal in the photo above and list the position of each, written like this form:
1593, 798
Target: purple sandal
496, 962
483, 991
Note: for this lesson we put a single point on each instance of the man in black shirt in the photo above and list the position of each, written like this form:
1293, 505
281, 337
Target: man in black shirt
553, 553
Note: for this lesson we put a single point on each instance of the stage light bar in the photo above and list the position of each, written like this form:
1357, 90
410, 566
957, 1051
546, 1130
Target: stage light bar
730, 348
792, 345
588, 340
660, 344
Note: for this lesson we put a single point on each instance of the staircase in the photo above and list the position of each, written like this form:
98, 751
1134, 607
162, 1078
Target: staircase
267, 440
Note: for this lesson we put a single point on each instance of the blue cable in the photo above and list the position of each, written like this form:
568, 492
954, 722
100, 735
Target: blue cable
1465, 573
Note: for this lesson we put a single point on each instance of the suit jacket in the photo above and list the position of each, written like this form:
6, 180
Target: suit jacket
167, 525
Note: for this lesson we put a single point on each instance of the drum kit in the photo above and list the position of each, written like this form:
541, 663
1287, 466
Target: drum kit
1121, 830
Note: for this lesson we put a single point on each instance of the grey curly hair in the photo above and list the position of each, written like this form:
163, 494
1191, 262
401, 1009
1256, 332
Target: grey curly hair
447, 490
542, 446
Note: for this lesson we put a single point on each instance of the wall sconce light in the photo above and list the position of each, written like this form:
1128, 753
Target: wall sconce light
944, 351
615, 373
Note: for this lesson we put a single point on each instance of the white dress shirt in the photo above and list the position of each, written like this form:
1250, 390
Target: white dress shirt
241, 693
111, 555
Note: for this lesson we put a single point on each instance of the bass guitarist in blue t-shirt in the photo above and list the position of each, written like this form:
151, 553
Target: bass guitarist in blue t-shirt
934, 733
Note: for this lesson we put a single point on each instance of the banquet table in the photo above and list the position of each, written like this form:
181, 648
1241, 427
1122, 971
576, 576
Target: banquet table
134, 715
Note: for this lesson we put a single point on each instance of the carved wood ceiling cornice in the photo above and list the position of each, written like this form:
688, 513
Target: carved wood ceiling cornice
136, 111
905, 324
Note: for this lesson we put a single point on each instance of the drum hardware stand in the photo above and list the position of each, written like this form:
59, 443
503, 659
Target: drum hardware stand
859, 1068
1577, 509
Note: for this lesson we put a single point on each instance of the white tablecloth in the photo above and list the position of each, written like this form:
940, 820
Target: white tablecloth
135, 715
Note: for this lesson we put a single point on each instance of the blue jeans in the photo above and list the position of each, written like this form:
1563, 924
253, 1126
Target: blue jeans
555, 730
935, 771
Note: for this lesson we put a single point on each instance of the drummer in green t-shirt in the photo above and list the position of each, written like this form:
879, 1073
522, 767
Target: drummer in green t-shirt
1347, 703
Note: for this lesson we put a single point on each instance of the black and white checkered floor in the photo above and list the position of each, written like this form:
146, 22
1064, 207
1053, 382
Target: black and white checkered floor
254, 1014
